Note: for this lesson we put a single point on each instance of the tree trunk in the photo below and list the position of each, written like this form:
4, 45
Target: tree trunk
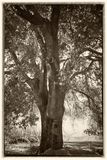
46, 126
51, 119
57, 137
51, 134
51, 124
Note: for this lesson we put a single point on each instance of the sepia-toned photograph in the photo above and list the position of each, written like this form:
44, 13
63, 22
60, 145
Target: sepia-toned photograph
53, 79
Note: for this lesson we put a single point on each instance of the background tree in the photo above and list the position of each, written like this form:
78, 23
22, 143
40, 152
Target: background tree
54, 54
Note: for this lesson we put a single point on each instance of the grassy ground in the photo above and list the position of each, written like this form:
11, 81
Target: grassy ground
74, 149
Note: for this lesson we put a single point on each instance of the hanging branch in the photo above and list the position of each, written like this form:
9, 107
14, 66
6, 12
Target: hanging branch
88, 97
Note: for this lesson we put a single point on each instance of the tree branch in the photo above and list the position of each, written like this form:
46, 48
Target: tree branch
82, 92
29, 13
94, 58
82, 72
8, 72
55, 19
65, 60
97, 57
90, 49
94, 108
28, 80
93, 51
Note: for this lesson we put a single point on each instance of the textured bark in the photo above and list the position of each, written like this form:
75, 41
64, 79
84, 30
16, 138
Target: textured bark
57, 138
58, 111
51, 133
51, 122
45, 133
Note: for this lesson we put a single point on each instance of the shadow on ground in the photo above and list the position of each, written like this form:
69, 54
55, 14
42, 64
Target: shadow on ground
76, 149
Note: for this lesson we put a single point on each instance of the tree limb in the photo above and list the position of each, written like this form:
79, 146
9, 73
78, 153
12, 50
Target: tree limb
28, 79
29, 13
94, 58
93, 51
65, 60
95, 109
33, 83
97, 57
8, 72
82, 92
82, 72
90, 49
55, 19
